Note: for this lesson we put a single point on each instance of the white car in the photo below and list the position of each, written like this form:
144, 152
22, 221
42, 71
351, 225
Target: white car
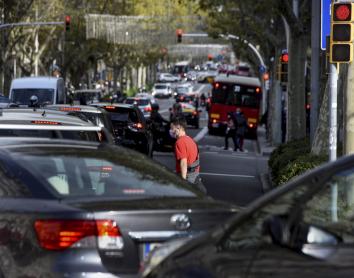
162, 90
167, 77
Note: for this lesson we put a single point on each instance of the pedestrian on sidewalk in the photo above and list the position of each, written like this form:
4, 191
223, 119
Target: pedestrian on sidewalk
241, 128
186, 153
230, 132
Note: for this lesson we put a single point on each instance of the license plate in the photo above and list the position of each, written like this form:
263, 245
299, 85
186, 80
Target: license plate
146, 248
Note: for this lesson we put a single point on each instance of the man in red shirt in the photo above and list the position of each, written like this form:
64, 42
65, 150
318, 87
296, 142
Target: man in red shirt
186, 153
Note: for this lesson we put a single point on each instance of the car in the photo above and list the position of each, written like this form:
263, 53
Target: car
27, 122
183, 90
85, 209
144, 104
86, 96
167, 77
162, 90
97, 116
4, 102
130, 126
300, 229
190, 113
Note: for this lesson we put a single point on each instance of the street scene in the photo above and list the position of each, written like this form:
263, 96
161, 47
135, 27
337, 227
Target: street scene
176, 138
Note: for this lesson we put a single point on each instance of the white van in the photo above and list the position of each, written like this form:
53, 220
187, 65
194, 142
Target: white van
49, 90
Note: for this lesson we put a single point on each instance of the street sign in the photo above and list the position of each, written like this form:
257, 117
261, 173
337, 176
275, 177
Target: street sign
325, 21
262, 69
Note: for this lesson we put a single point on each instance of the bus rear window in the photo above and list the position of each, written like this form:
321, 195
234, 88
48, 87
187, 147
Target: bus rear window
237, 95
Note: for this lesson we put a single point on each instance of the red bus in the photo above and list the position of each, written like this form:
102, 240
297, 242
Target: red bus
231, 92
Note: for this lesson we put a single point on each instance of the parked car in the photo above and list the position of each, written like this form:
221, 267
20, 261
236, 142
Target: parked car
162, 90
26, 122
81, 209
167, 77
301, 229
48, 90
144, 104
130, 127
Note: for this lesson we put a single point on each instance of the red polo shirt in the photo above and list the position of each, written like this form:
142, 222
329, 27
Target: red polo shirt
185, 147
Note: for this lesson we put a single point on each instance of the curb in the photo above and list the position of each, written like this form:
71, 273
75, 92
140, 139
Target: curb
266, 182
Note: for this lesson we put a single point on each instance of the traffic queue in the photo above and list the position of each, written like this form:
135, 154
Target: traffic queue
80, 192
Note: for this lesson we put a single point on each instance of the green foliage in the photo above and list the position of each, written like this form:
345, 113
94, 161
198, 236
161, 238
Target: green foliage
292, 159
300, 165
132, 92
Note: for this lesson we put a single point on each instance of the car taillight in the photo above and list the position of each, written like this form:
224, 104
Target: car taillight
56, 234
138, 125
195, 113
148, 109
45, 123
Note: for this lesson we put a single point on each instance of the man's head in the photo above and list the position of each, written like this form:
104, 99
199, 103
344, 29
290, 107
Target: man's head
178, 127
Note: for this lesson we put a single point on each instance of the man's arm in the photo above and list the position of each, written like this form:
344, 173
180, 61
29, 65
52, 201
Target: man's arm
183, 164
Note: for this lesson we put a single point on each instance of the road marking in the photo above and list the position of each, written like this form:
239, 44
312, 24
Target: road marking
201, 134
228, 175
164, 111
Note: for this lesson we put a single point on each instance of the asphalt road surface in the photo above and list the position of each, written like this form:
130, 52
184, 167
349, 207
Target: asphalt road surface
227, 175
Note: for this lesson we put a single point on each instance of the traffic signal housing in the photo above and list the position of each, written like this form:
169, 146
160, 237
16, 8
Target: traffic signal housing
179, 33
67, 22
342, 33
283, 67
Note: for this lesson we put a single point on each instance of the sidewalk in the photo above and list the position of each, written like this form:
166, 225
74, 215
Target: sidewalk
264, 149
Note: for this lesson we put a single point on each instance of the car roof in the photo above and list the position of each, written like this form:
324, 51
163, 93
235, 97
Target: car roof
77, 108
35, 82
25, 116
118, 105
237, 79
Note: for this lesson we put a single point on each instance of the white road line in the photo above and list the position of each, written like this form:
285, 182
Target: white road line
164, 111
201, 134
228, 175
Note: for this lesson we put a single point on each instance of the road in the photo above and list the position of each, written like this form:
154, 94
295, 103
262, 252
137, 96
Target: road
228, 175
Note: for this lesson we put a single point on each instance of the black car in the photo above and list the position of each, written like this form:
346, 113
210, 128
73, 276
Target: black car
302, 229
80, 209
130, 127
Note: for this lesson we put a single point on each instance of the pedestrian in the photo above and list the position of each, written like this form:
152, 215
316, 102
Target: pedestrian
230, 132
241, 128
186, 153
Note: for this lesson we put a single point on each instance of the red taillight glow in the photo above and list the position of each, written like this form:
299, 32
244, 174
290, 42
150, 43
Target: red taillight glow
217, 85
45, 123
258, 90
251, 125
138, 125
110, 107
56, 234
148, 109
70, 109
195, 113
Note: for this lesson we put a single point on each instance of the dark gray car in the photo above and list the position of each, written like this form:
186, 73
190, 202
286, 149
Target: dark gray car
74, 208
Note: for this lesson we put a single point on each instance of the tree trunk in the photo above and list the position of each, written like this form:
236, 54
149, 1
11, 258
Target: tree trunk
296, 120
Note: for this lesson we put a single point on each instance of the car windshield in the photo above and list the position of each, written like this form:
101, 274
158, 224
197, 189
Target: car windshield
124, 115
182, 90
22, 96
58, 134
81, 172
160, 87
139, 102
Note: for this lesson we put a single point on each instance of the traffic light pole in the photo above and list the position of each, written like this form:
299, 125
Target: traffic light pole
333, 75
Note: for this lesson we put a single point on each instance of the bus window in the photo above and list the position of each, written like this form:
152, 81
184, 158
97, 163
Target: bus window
236, 95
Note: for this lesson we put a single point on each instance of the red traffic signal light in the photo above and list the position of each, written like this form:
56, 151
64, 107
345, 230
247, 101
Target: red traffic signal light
67, 22
342, 11
285, 58
179, 33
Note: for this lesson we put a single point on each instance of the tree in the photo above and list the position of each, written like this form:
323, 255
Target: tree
263, 22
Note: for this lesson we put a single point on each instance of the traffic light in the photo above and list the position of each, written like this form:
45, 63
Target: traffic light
179, 33
342, 33
283, 67
67, 23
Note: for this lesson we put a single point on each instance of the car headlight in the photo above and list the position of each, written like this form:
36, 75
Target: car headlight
161, 253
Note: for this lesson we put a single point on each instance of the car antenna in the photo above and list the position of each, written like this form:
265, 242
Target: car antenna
44, 114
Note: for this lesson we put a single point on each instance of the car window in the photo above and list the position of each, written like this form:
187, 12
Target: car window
160, 87
328, 206
22, 96
103, 173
